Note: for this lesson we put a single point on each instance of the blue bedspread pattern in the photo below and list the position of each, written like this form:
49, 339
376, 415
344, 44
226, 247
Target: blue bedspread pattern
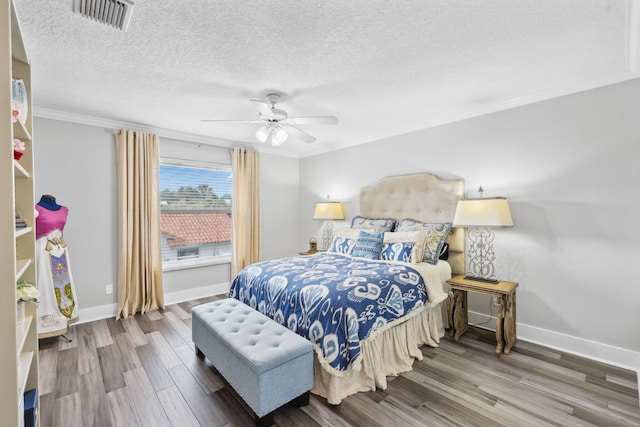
333, 300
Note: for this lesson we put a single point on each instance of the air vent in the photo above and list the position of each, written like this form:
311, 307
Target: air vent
115, 13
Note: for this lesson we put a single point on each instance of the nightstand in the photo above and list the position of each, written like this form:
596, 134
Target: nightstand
506, 319
310, 253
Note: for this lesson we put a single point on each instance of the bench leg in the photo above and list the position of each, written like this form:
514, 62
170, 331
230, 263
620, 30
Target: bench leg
266, 421
199, 353
302, 400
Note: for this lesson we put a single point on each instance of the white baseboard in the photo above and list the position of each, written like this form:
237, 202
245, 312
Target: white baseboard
96, 313
195, 293
109, 310
600, 352
605, 353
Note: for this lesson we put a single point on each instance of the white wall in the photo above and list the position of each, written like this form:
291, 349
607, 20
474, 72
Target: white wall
77, 164
569, 168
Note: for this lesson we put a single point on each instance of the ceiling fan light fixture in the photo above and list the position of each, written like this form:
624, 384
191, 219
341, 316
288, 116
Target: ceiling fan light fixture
277, 126
263, 133
279, 136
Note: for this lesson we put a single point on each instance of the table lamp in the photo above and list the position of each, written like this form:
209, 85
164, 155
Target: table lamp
328, 211
480, 216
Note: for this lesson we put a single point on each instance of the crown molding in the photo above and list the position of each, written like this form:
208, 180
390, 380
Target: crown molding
593, 82
115, 125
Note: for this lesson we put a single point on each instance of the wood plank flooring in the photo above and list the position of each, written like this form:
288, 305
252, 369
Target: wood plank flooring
143, 371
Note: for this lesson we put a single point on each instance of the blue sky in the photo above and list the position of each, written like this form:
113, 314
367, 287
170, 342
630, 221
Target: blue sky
174, 177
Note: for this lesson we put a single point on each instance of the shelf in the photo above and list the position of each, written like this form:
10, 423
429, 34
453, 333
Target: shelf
23, 231
22, 331
23, 373
19, 367
21, 267
19, 171
21, 132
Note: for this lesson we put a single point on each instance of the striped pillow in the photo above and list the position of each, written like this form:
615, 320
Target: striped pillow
368, 245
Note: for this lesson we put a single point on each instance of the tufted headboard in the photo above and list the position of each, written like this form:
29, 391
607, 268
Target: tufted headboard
423, 197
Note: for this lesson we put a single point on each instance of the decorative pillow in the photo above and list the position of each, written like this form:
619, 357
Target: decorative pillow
344, 239
437, 232
399, 251
368, 245
444, 253
416, 238
373, 224
342, 245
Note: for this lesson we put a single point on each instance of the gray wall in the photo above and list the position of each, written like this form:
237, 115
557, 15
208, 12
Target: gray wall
77, 164
568, 167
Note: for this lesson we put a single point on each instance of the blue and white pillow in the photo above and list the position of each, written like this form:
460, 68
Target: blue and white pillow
436, 232
373, 224
398, 251
368, 245
342, 245
344, 239
415, 239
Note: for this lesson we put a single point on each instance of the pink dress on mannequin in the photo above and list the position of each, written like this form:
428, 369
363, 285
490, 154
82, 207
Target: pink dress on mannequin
58, 304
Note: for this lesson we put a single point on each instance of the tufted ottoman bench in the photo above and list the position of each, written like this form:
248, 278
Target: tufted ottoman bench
267, 364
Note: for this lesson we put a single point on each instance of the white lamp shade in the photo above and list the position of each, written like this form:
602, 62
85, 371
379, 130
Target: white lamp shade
279, 136
263, 133
328, 210
489, 212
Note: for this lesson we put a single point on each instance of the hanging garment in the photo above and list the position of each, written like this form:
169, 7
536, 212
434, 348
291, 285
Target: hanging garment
58, 303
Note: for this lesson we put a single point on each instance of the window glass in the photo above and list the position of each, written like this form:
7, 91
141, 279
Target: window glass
195, 213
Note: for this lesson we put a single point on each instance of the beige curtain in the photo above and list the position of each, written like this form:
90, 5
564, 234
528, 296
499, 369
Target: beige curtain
246, 209
140, 260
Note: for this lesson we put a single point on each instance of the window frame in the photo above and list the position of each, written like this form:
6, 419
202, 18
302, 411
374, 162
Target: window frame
188, 263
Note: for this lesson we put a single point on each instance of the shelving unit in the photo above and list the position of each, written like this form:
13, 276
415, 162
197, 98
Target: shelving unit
19, 345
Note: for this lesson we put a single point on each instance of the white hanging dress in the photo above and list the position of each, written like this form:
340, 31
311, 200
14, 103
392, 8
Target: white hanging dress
58, 304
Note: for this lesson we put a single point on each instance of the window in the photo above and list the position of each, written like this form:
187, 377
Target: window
188, 253
195, 213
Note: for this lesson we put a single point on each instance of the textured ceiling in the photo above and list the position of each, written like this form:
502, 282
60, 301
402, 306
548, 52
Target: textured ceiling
383, 68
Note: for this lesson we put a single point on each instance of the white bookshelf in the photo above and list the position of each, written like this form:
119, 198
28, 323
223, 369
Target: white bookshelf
19, 345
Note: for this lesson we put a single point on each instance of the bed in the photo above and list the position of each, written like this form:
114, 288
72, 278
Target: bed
365, 317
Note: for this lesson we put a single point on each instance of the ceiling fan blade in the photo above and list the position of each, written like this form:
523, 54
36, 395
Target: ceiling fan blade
263, 107
312, 120
297, 133
234, 121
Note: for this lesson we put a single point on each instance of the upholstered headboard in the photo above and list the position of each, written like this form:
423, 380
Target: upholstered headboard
423, 197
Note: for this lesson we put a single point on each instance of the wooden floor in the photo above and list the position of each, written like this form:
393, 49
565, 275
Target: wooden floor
143, 371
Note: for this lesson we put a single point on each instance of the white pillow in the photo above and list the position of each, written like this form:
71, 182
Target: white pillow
346, 232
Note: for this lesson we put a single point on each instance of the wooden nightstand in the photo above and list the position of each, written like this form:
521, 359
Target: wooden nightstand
311, 253
506, 319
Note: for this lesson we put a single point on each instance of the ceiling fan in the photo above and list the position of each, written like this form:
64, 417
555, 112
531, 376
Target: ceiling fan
278, 125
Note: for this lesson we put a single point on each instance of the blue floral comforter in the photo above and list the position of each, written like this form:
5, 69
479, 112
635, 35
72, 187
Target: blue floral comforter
335, 301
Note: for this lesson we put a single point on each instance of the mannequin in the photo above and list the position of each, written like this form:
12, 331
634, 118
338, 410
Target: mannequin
58, 304
49, 202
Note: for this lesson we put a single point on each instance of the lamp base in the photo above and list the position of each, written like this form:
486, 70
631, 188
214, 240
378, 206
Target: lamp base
327, 234
481, 255
482, 279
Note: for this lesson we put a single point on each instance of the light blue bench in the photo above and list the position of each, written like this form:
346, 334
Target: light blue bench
264, 362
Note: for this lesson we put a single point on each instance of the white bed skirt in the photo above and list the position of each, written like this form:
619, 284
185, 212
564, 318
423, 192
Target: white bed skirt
389, 353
